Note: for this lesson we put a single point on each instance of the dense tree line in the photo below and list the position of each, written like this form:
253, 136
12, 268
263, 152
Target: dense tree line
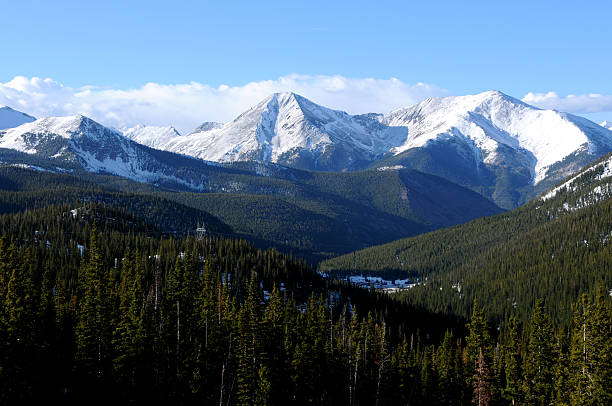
135, 317
555, 249
317, 215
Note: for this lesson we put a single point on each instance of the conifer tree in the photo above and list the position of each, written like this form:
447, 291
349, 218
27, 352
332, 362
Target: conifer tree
248, 361
540, 359
590, 362
93, 329
129, 335
478, 340
478, 337
481, 383
512, 354
561, 376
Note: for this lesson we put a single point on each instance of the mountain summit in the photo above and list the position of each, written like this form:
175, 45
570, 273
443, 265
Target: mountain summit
494, 143
492, 122
76, 143
289, 129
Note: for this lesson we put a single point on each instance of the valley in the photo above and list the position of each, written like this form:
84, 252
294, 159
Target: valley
386, 252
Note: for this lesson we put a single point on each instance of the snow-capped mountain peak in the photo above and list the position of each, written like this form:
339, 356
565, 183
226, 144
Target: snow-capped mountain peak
490, 122
31, 137
10, 118
288, 128
79, 143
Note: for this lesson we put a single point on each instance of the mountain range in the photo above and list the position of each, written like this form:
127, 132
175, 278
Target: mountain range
297, 175
554, 247
317, 214
490, 142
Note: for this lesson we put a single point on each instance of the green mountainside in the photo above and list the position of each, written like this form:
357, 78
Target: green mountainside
553, 248
98, 306
314, 214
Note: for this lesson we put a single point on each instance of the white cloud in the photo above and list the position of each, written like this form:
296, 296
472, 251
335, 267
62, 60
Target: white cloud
187, 105
579, 104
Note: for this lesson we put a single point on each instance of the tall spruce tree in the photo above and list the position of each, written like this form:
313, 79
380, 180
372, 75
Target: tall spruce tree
539, 362
512, 390
590, 358
93, 329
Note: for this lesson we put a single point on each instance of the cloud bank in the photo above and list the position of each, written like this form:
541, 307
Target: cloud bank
578, 104
187, 105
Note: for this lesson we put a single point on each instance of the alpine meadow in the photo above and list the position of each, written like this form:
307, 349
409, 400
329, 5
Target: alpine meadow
262, 204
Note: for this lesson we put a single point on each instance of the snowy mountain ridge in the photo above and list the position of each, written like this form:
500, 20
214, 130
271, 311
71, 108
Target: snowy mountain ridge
290, 129
598, 171
77, 141
494, 144
497, 145
491, 120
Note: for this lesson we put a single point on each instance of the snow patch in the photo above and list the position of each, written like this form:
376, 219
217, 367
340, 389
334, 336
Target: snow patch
607, 172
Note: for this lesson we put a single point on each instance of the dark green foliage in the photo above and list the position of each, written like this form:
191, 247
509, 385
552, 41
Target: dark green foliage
539, 362
125, 312
590, 362
216, 321
134, 318
314, 214
555, 248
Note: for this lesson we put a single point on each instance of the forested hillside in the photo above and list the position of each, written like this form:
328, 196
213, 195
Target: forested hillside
98, 307
555, 247
315, 215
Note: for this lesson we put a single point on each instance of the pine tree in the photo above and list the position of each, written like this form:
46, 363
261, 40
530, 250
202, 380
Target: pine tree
540, 359
478, 337
478, 340
512, 353
129, 335
561, 383
93, 316
590, 361
274, 350
481, 382
448, 364
20, 307
248, 357
19, 310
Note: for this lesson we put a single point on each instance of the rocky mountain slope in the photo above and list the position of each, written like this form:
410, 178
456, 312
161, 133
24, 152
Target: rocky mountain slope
291, 130
79, 143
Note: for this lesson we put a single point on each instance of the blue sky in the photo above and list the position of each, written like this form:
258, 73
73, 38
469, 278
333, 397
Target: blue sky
458, 47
